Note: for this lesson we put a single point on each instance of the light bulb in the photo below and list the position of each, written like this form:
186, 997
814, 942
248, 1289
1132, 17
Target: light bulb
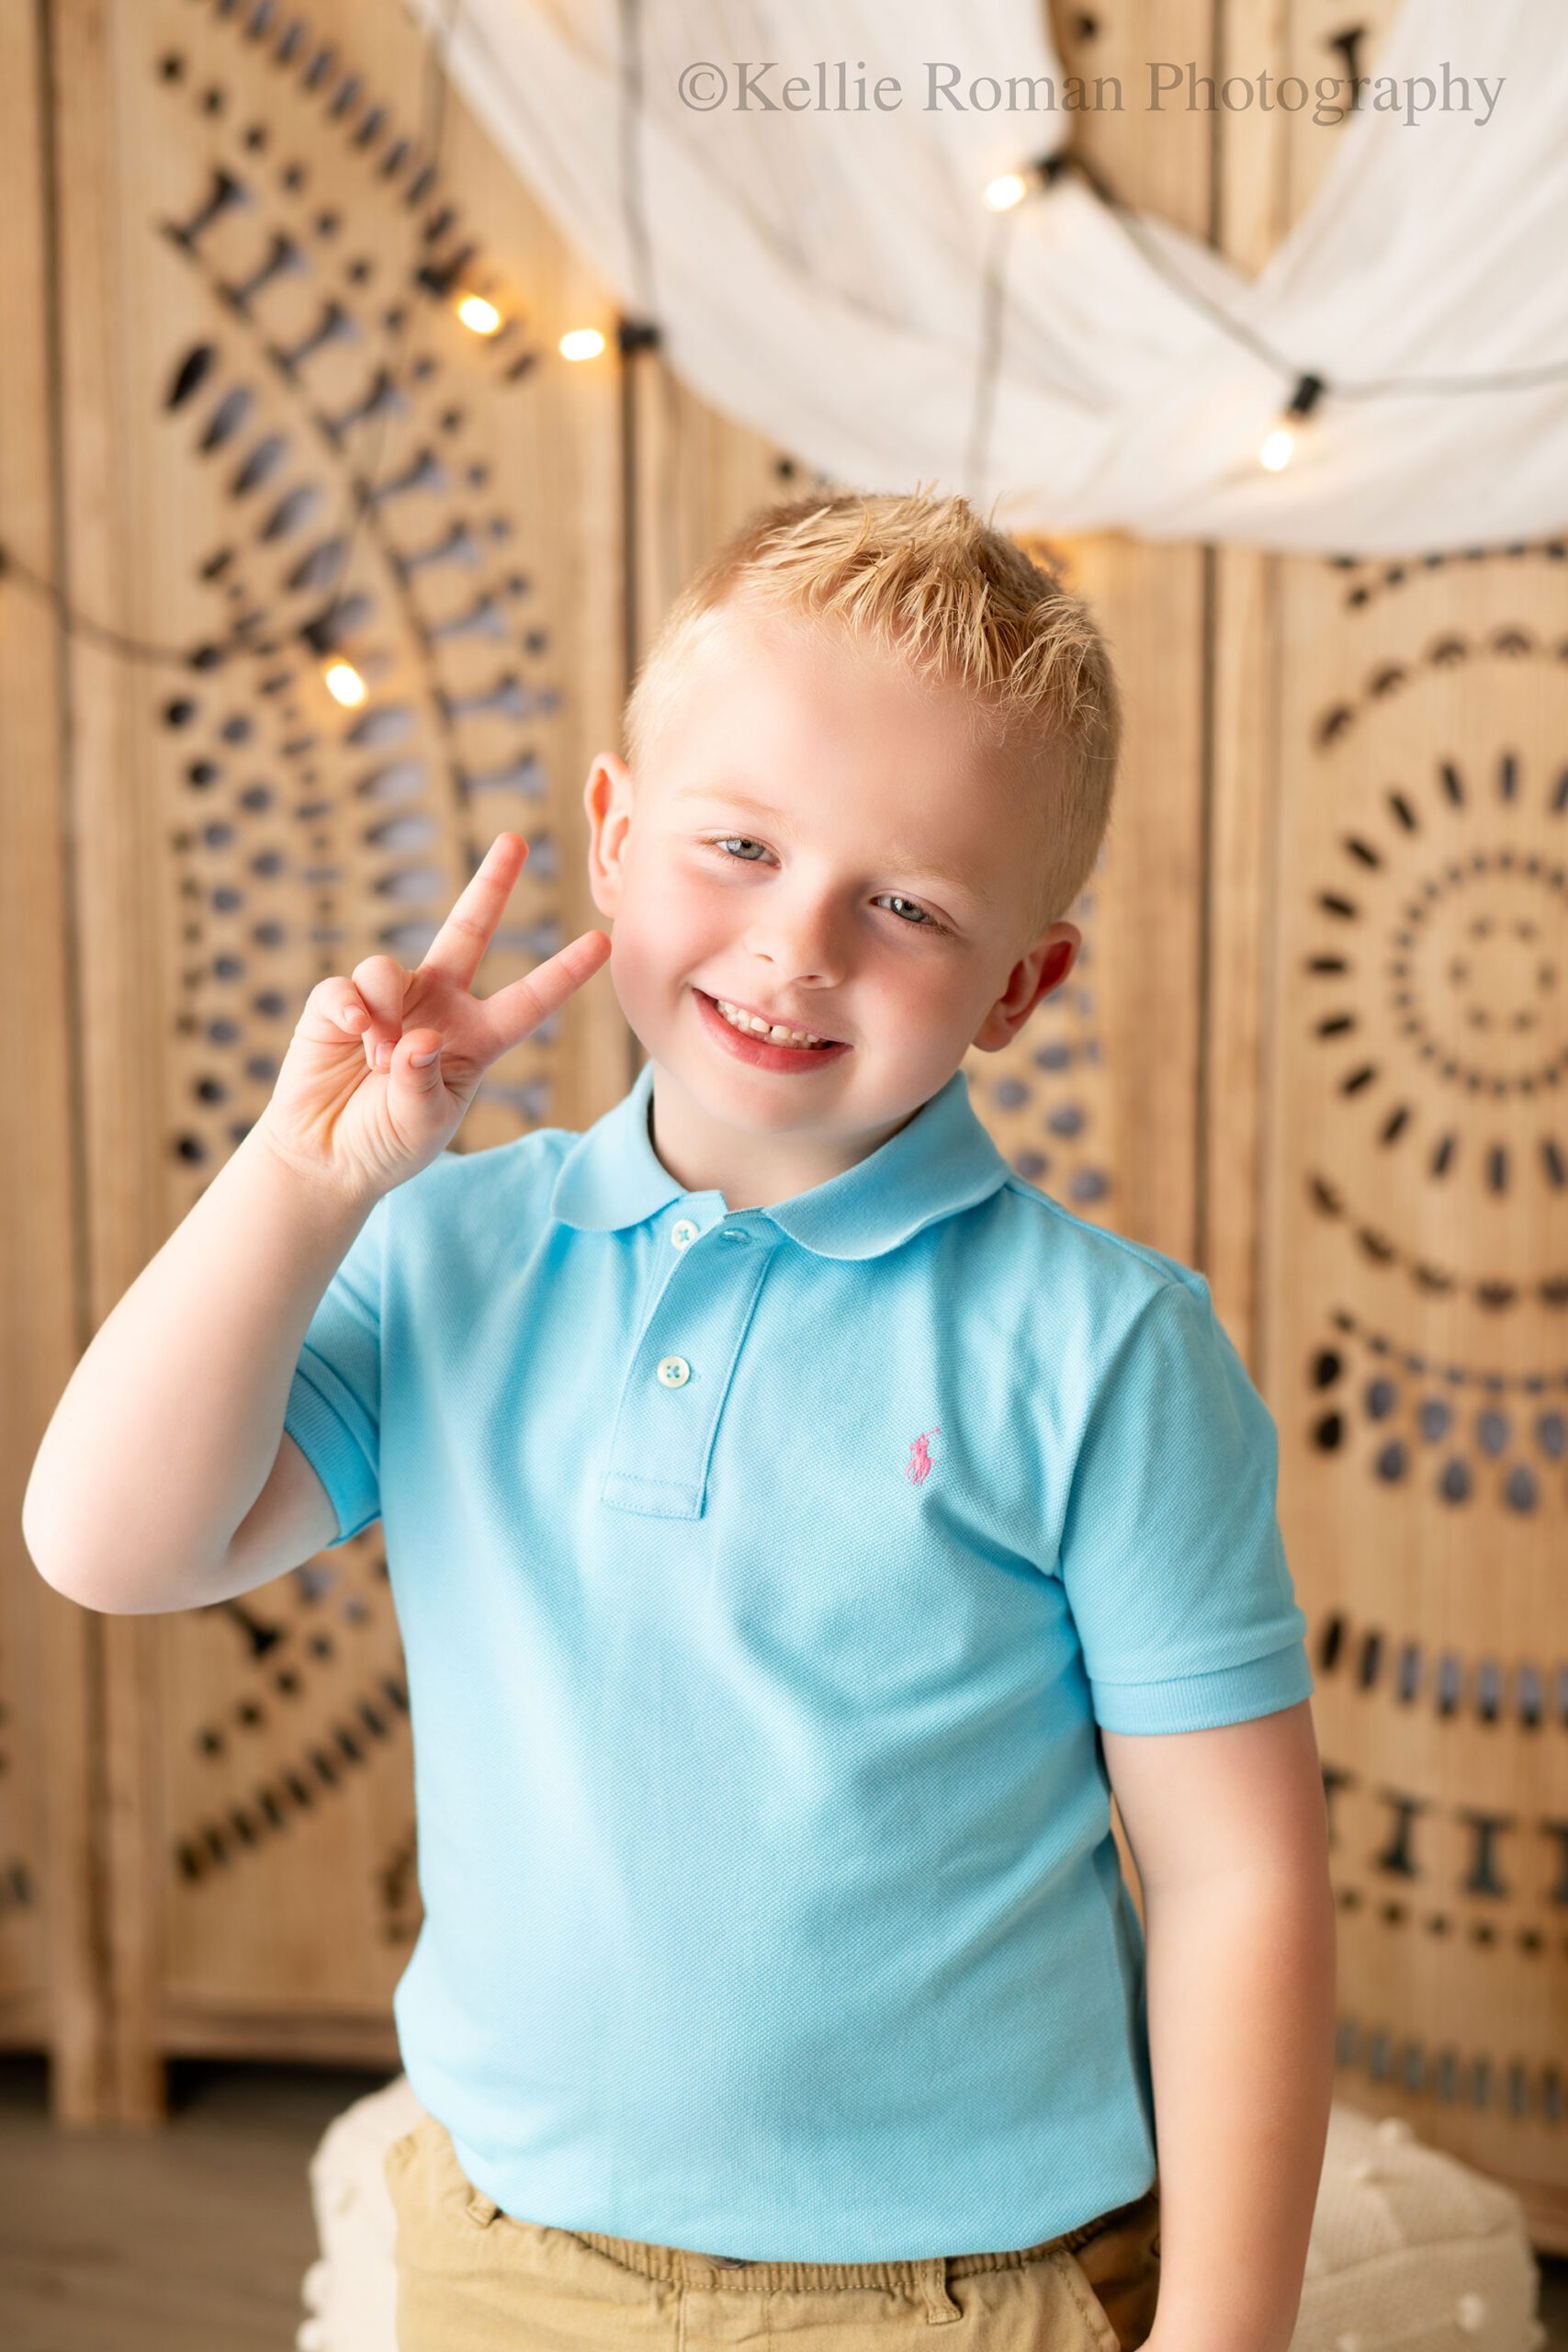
581, 343
345, 683
482, 317
1279, 444
1004, 193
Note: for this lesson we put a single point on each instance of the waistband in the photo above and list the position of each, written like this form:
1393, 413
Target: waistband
924, 2279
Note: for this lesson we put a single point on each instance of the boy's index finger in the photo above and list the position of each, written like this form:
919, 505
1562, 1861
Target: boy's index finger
459, 946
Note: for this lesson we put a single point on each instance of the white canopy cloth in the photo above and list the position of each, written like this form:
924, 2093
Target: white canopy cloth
818, 275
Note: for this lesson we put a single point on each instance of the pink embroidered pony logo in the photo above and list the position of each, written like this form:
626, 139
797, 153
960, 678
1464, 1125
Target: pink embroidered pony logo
920, 1466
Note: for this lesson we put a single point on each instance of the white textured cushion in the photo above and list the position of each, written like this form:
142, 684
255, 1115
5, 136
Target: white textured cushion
350, 2290
1409, 2246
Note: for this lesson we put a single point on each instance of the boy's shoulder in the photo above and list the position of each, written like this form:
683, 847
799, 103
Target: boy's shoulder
1110, 1267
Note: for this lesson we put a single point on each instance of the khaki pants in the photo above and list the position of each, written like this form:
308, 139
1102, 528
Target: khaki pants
471, 2279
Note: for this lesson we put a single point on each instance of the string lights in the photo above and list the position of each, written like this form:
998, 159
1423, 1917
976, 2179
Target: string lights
1308, 386
479, 315
1280, 443
1004, 193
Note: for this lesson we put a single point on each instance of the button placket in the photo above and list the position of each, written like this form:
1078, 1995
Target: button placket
661, 1443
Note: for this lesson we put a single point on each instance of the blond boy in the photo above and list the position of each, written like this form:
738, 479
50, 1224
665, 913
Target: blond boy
799, 1525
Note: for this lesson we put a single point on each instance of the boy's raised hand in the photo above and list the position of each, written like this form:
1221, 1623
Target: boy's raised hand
353, 1106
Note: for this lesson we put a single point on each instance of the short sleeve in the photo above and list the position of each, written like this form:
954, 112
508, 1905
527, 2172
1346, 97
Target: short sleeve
1171, 1555
333, 1413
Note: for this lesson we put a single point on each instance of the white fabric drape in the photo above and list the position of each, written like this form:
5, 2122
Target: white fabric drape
818, 275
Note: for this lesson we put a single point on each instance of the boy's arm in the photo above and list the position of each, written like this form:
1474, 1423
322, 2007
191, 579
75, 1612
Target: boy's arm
1229, 1831
170, 1428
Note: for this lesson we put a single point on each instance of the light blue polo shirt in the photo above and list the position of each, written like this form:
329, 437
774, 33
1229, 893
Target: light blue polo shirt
762, 1578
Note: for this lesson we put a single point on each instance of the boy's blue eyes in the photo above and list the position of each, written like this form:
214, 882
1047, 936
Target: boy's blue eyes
927, 921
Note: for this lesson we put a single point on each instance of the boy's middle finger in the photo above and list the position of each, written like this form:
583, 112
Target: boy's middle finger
382, 984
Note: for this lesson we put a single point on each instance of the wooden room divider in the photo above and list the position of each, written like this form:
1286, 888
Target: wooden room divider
1314, 1043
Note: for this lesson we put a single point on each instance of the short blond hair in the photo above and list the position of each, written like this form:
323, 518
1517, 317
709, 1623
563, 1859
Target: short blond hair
962, 607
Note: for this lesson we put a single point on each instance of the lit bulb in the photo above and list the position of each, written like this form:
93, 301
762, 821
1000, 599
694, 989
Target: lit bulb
1279, 441
482, 317
582, 342
1004, 193
345, 683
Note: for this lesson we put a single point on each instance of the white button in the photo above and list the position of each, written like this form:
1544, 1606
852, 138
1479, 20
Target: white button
684, 1231
674, 1372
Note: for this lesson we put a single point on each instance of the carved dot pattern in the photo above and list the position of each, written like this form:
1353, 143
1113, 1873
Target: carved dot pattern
1491, 1292
1371, 580
1042, 1093
1470, 951
1439, 1420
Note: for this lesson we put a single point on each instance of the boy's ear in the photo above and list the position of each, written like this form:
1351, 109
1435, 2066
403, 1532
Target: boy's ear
607, 797
1049, 960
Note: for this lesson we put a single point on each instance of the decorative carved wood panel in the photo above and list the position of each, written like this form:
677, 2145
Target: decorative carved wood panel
1417, 1335
1390, 956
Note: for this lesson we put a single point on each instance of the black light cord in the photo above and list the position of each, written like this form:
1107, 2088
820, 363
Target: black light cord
206, 656
639, 332
634, 201
1136, 230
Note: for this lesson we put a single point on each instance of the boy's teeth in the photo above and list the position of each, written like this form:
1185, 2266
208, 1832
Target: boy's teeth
738, 1020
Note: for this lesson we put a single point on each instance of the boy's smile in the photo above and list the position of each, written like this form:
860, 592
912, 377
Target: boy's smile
819, 838
738, 1031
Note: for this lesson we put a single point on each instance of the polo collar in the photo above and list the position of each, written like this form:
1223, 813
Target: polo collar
941, 1162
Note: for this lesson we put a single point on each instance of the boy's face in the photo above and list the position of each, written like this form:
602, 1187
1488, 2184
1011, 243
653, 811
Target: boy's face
883, 903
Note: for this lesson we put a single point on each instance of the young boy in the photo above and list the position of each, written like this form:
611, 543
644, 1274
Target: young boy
798, 1526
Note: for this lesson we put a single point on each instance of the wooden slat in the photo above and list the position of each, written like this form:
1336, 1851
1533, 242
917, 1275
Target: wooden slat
50, 1975
1130, 1017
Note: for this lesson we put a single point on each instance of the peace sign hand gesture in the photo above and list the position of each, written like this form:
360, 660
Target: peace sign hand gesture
383, 1064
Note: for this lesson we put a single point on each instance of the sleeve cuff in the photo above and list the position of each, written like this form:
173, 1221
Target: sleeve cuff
319, 1418
1232, 1694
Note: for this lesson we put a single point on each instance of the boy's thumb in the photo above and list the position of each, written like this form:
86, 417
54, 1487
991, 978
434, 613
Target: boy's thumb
423, 1057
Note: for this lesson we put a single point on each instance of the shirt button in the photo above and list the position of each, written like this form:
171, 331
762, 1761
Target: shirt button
674, 1372
684, 1232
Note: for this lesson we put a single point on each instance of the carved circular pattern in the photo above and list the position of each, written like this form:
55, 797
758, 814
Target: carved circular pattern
1465, 1434
1470, 955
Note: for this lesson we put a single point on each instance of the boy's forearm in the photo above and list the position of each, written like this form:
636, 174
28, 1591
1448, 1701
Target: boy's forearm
170, 1424
1241, 1997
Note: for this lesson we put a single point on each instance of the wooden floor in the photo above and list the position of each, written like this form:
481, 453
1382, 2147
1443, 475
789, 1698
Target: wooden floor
196, 2238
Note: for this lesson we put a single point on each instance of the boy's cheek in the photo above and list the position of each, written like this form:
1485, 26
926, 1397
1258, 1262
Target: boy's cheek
671, 920
649, 961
